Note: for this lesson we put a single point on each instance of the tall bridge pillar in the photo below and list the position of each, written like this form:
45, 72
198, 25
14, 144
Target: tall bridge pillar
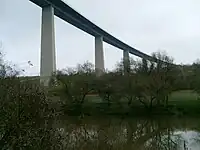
126, 61
99, 56
48, 58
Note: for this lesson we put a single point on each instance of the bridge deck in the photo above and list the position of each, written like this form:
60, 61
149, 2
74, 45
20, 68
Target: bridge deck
65, 12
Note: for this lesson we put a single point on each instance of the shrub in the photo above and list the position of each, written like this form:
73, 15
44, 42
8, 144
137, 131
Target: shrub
25, 114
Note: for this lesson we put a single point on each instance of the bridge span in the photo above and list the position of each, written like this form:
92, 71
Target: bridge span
68, 14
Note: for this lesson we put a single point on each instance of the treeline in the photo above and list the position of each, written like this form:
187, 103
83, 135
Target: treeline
143, 84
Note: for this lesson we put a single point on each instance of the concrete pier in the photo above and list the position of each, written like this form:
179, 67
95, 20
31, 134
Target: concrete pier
48, 57
99, 56
126, 61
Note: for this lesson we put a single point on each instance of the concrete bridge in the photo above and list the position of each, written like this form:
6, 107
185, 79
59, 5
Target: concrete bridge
63, 11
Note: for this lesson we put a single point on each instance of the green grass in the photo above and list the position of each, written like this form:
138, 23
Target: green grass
185, 95
186, 101
180, 102
93, 99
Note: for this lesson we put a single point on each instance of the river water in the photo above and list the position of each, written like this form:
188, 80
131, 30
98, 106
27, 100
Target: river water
108, 133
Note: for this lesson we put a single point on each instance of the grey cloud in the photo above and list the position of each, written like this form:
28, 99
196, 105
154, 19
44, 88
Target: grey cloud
172, 25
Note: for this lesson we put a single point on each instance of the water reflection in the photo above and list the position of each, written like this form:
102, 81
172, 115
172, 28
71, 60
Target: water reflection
137, 134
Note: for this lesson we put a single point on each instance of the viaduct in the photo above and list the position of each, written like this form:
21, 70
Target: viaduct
65, 12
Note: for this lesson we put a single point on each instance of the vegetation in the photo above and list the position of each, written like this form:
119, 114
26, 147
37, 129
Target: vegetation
28, 110
145, 88
25, 114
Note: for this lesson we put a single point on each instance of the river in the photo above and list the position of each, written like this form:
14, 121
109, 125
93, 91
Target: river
109, 133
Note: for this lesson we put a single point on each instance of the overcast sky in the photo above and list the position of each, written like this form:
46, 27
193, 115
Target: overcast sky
148, 25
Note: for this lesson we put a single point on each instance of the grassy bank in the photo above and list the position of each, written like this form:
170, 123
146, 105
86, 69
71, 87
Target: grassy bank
180, 103
186, 102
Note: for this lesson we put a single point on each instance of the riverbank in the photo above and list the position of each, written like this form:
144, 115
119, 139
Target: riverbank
181, 103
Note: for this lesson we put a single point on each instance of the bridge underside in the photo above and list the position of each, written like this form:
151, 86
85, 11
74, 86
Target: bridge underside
63, 11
